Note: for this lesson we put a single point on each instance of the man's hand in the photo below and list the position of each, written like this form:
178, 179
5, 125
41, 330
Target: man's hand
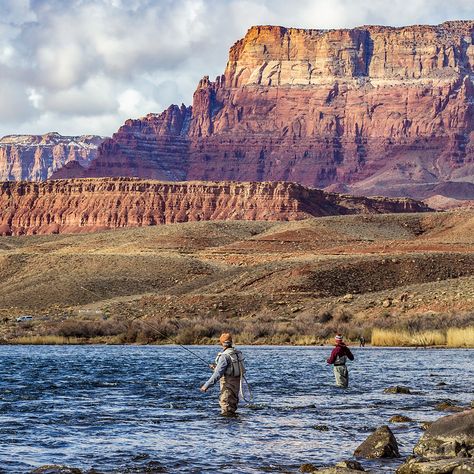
212, 366
203, 389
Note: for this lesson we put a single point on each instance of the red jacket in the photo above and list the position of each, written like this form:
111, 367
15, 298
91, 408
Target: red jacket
340, 350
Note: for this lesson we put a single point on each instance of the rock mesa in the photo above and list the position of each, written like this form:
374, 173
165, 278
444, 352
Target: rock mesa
37, 157
367, 110
84, 205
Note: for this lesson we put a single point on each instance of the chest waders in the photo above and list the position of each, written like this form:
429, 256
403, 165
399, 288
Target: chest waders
236, 368
341, 373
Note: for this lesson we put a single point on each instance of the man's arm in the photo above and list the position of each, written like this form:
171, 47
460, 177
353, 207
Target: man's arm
218, 373
349, 354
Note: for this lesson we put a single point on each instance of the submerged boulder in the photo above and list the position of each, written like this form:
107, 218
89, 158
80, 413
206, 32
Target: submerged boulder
400, 419
380, 444
398, 389
448, 405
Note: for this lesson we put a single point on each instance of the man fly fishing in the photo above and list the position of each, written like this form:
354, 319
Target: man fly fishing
338, 357
229, 369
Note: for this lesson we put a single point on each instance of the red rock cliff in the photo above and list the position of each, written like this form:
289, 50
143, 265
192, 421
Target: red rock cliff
84, 205
373, 110
37, 157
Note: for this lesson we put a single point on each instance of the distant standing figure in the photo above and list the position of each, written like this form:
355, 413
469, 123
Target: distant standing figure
228, 368
362, 341
338, 357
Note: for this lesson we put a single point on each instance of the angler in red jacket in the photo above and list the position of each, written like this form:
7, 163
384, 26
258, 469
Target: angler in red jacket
338, 357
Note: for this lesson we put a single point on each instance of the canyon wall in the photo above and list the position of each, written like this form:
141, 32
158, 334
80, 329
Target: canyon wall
37, 157
85, 205
372, 110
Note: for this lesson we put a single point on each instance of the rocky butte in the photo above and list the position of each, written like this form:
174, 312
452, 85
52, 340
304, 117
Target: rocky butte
37, 157
85, 205
370, 110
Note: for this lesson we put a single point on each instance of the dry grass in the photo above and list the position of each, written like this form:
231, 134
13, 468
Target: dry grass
460, 337
45, 340
391, 338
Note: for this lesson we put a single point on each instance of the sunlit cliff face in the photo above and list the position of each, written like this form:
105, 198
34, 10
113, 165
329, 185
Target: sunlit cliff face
373, 110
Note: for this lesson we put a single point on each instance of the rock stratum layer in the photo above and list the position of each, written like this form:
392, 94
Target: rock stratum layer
369, 110
84, 205
37, 157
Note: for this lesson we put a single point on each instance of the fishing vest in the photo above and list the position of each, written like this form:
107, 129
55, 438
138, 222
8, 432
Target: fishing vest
235, 362
340, 360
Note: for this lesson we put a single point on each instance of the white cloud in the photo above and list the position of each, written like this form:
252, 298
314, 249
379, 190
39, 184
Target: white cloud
83, 66
15, 105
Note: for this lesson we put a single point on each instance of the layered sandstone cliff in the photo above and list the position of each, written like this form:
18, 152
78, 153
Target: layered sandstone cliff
37, 157
373, 110
84, 205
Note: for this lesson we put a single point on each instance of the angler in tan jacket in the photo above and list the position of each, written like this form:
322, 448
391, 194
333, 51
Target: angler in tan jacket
228, 368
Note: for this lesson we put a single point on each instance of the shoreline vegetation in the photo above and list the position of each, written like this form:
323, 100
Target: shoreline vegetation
449, 338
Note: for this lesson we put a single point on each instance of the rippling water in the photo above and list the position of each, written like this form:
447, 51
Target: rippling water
139, 409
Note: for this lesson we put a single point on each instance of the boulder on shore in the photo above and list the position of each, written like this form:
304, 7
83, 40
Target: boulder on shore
380, 444
342, 467
447, 447
450, 436
440, 466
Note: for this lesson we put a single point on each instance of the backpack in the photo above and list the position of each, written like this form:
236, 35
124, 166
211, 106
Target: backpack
235, 359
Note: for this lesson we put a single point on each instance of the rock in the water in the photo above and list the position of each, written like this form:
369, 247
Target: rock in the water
338, 470
397, 389
321, 427
355, 465
400, 419
380, 444
450, 436
308, 468
448, 405
425, 425
56, 469
342, 467
440, 466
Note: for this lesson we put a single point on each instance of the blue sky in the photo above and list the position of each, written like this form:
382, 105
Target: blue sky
84, 66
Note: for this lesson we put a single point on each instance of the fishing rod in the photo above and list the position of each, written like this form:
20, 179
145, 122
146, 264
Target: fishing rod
169, 338
151, 326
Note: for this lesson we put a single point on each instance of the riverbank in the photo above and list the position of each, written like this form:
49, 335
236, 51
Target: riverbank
450, 338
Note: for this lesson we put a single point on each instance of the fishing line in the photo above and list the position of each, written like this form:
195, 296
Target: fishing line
245, 391
169, 338
146, 323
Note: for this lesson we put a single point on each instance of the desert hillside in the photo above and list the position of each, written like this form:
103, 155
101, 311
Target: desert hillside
267, 281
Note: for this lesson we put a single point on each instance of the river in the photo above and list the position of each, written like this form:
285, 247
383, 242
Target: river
133, 409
